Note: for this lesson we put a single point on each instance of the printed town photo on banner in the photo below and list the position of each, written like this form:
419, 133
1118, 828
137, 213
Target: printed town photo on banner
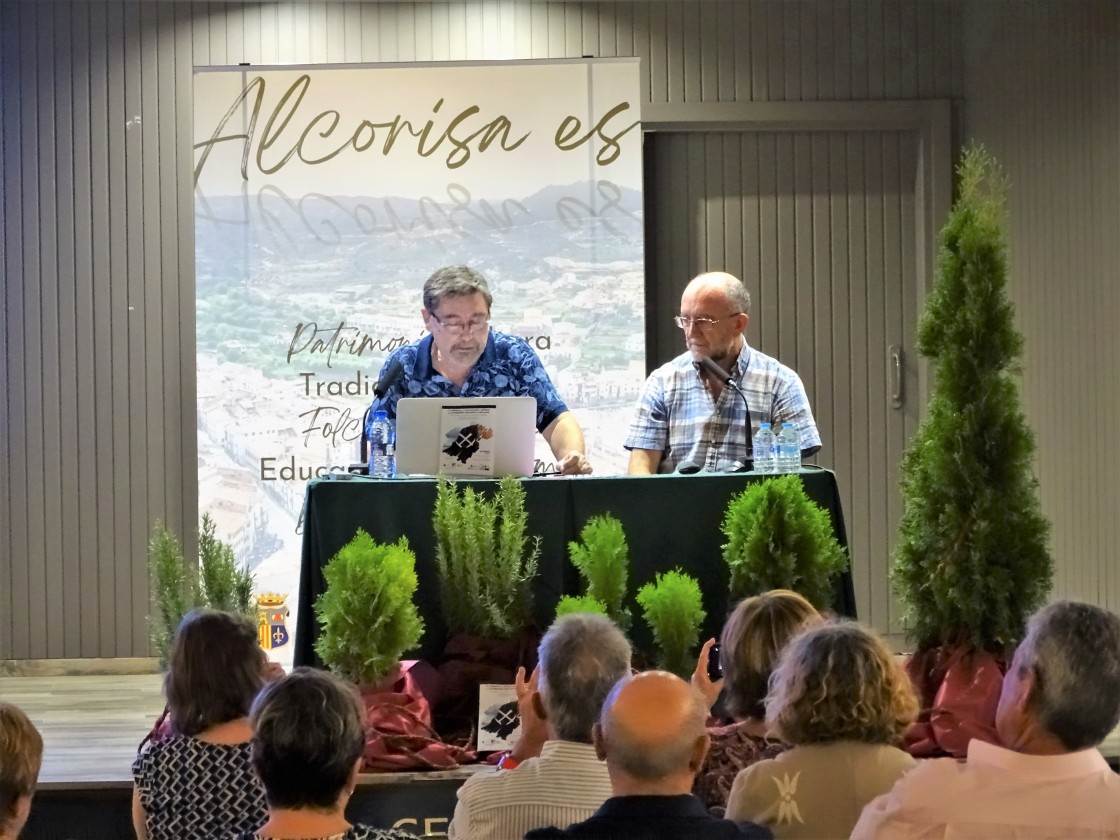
326, 196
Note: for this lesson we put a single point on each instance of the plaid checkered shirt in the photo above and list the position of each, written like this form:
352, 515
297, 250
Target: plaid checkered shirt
677, 416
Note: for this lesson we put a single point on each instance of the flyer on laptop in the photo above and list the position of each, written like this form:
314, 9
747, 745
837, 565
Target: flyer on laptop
467, 440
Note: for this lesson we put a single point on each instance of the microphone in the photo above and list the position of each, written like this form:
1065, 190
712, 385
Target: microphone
729, 381
716, 371
388, 379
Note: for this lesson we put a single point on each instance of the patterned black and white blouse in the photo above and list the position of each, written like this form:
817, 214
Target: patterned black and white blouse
191, 789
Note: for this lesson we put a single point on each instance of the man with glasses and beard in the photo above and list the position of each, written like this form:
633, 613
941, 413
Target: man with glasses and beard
462, 357
686, 417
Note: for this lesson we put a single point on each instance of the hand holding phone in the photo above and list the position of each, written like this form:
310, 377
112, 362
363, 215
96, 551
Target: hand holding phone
715, 668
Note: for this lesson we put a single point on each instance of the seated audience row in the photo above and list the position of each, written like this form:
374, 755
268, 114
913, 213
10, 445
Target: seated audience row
820, 709
246, 754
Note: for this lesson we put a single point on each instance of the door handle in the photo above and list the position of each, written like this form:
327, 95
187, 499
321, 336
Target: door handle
894, 353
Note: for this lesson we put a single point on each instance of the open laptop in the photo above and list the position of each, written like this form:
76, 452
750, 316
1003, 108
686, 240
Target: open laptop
480, 437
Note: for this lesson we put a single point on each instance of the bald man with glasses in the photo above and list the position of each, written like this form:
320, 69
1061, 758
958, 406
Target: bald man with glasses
686, 417
462, 357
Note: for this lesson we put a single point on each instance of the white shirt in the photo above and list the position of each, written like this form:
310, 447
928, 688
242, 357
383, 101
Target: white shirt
999, 793
564, 785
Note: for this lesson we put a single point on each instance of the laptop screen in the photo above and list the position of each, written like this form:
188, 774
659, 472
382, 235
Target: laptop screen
482, 437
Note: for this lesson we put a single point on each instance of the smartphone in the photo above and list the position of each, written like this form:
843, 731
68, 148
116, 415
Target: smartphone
715, 669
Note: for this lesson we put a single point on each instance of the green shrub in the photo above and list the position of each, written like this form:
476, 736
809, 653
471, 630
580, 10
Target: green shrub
484, 560
216, 580
672, 607
777, 538
972, 561
602, 558
173, 585
580, 604
366, 615
224, 584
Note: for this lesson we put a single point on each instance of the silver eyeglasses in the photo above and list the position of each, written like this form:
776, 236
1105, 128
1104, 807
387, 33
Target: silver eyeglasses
700, 323
474, 325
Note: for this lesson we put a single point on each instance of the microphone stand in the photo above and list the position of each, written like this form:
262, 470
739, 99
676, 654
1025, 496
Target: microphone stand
729, 382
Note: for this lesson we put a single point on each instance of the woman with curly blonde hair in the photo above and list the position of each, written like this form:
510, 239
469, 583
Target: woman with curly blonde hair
841, 699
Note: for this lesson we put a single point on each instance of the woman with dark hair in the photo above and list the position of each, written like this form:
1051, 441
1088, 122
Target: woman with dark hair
308, 739
198, 783
842, 701
753, 637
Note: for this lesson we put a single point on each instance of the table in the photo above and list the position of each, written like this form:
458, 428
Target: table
670, 521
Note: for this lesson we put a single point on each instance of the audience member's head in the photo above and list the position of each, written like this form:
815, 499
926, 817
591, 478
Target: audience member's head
215, 669
308, 739
21, 754
652, 734
581, 656
840, 682
1062, 690
752, 640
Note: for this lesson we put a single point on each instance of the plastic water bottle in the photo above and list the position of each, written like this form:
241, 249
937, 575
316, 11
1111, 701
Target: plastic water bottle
765, 458
381, 446
789, 449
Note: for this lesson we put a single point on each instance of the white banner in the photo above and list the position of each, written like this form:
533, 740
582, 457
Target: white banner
325, 196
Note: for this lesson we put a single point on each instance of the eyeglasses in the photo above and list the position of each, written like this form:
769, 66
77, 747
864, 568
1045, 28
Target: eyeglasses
475, 325
700, 323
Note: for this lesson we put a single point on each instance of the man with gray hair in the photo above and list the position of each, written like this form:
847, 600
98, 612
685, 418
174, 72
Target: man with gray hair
686, 419
1060, 698
653, 737
462, 357
581, 657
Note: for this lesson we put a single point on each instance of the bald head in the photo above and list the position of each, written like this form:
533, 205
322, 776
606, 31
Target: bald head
652, 733
714, 309
720, 283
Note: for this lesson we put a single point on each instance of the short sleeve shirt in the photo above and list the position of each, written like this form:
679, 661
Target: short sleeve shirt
192, 789
677, 416
508, 367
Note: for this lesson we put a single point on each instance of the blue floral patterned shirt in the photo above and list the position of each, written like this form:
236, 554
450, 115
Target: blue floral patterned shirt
676, 415
508, 367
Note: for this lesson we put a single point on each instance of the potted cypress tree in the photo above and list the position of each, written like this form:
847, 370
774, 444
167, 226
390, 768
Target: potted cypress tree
778, 538
366, 615
972, 561
367, 621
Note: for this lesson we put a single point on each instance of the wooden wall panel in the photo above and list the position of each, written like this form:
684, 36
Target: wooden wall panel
1042, 91
98, 421
8, 195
